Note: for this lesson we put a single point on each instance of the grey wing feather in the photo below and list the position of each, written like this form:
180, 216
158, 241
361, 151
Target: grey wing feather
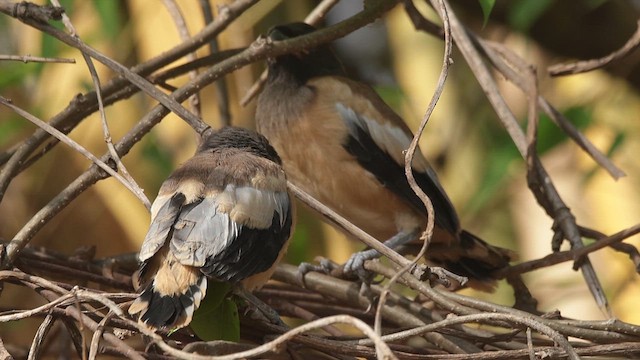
161, 224
202, 231
205, 229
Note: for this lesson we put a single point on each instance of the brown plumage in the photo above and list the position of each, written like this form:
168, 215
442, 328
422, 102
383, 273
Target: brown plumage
343, 145
225, 214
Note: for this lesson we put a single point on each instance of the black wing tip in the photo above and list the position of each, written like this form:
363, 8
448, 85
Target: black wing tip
252, 252
500, 257
479, 261
361, 145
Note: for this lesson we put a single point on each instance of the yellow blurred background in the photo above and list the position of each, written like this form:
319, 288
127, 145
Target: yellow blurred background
477, 164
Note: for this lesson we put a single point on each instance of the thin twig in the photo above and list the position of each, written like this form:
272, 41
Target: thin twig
589, 65
51, 292
532, 354
132, 184
118, 88
348, 292
39, 338
40, 309
497, 54
408, 163
562, 256
420, 22
97, 335
222, 94
546, 193
28, 58
455, 320
382, 349
343, 223
183, 32
77, 147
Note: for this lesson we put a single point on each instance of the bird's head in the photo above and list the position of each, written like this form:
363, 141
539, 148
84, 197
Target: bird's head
231, 137
308, 63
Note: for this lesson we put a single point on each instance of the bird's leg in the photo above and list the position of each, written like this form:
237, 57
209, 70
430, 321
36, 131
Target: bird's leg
355, 264
258, 304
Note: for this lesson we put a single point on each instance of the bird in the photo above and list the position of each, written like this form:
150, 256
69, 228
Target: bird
224, 215
343, 145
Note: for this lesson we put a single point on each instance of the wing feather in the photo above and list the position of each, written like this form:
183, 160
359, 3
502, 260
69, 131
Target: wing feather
233, 234
167, 210
378, 146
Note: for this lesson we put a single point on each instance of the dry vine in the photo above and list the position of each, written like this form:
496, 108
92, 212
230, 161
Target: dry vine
438, 320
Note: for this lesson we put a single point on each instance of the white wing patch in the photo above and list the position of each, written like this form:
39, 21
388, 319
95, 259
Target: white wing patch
255, 208
391, 139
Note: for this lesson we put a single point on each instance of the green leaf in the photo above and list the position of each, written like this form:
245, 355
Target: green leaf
9, 128
617, 142
487, 6
499, 160
109, 12
156, 154
299, 243
524, 13
392, 95
217, 317
549, 135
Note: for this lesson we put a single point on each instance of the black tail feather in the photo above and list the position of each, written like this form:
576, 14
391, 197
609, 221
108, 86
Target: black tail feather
160, 311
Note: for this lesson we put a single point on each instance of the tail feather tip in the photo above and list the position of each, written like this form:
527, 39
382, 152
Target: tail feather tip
160, 311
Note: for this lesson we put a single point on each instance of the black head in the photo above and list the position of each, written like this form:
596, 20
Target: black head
318, 61
230, 137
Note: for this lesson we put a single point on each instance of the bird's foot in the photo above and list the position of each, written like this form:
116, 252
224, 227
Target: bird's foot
324, 266
355, 265
352, 269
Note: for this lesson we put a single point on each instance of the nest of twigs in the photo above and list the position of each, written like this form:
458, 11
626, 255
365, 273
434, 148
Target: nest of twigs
431, 323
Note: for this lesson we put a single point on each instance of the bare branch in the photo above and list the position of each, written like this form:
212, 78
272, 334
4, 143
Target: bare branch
589, 65
131, 182
117, 89
183, 31
222, 94
77, 147
343, 223
408, 163
28, 58
498, 54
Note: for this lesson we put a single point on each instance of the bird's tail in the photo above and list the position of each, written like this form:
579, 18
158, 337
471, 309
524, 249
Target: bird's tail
169, 300
472, 258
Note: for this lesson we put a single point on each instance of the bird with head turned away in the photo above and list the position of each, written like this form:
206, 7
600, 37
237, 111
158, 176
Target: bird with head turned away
344, 146
223, 217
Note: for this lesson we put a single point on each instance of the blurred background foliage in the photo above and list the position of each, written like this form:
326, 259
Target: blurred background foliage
477, 162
